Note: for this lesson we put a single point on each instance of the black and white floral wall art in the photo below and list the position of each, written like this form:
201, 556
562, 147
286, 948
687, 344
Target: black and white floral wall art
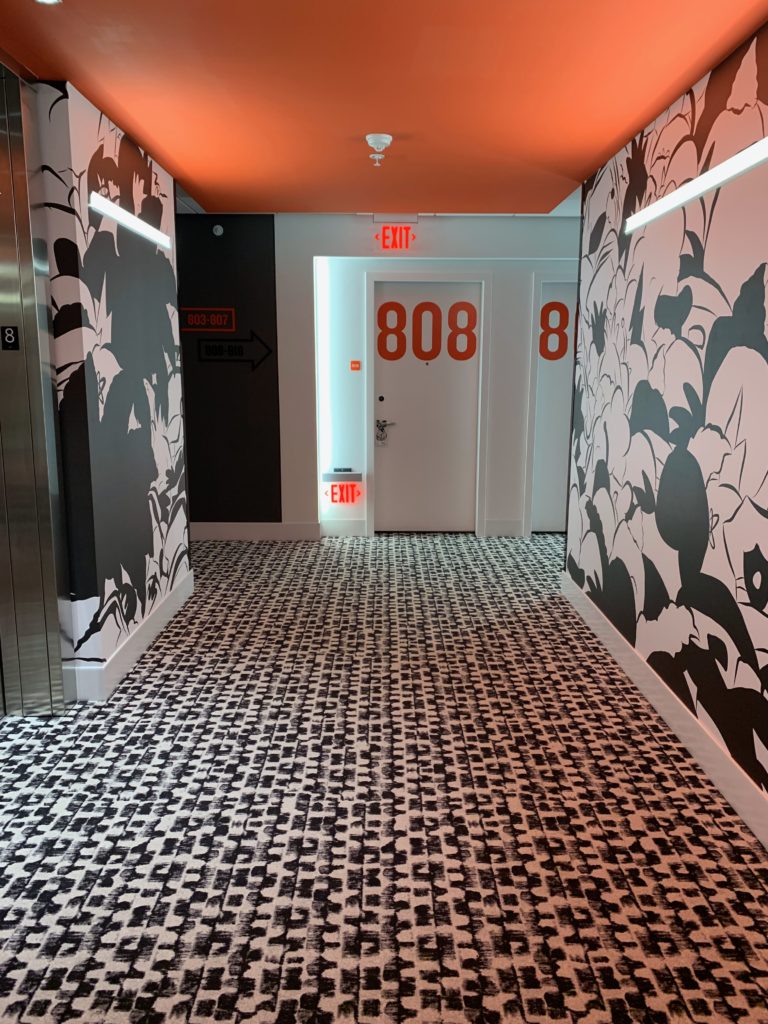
668, 505
116, 349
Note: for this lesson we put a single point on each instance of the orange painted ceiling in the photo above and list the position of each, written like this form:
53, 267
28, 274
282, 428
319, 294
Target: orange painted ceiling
496, 106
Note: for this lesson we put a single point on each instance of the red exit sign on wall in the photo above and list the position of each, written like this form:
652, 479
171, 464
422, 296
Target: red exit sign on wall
395, 236
344, 494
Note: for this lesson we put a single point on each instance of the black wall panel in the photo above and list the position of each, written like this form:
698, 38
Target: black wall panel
228, 320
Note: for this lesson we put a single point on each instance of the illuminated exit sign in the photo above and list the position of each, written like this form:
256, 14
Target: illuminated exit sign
395, 236
344, 494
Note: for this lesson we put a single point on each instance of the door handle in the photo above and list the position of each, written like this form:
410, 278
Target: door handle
381, 430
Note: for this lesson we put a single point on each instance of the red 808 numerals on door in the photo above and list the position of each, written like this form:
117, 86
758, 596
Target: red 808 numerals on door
426, 337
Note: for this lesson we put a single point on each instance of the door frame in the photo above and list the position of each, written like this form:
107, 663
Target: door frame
568, 275
485, 280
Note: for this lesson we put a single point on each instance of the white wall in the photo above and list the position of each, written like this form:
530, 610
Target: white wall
514, 290
301, 237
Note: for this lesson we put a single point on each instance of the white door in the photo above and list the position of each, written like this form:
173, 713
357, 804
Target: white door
554, 382
427, 352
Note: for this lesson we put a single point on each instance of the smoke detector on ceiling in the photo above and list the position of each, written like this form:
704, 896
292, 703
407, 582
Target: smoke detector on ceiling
378, 141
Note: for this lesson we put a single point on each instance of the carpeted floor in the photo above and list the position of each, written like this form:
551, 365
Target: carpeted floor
389, 780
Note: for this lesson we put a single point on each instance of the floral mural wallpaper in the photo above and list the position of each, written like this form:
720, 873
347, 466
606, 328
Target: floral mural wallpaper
668, 508
116, 348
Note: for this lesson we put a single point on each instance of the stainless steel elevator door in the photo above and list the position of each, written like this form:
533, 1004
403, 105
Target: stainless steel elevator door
31, 667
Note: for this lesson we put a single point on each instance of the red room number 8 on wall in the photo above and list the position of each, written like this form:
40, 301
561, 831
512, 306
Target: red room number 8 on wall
426, 329
553, 339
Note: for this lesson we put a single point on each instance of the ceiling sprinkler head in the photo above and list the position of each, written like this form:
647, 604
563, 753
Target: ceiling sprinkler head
378, 141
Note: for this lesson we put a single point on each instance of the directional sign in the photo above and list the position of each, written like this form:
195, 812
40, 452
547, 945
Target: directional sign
213, 320
253, 350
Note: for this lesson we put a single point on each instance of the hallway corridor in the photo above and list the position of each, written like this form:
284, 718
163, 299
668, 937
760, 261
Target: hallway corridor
389, 780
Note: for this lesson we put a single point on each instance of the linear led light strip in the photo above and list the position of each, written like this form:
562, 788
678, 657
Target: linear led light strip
713, 178
128, 220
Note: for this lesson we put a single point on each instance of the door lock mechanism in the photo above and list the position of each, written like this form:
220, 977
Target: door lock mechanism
381, 430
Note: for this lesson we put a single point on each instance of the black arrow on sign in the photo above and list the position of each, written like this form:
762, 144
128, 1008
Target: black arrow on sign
253, 350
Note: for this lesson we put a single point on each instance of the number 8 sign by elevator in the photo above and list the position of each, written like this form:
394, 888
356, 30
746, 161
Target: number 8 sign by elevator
460, 339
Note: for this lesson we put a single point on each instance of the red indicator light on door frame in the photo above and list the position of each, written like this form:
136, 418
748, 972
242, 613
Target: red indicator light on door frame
355, 364
395, 237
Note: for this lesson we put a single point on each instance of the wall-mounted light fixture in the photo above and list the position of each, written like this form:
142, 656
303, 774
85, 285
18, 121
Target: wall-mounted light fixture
128, 220
48, 3
713, 178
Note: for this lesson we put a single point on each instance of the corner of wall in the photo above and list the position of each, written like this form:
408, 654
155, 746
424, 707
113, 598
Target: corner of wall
119, 401
86, 680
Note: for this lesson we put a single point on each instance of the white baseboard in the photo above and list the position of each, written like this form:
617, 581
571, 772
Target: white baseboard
344, 528
254, 531
503, 528
747, 799
89, 681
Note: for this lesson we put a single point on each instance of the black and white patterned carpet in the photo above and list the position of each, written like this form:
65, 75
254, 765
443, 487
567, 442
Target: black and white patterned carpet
390, 780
